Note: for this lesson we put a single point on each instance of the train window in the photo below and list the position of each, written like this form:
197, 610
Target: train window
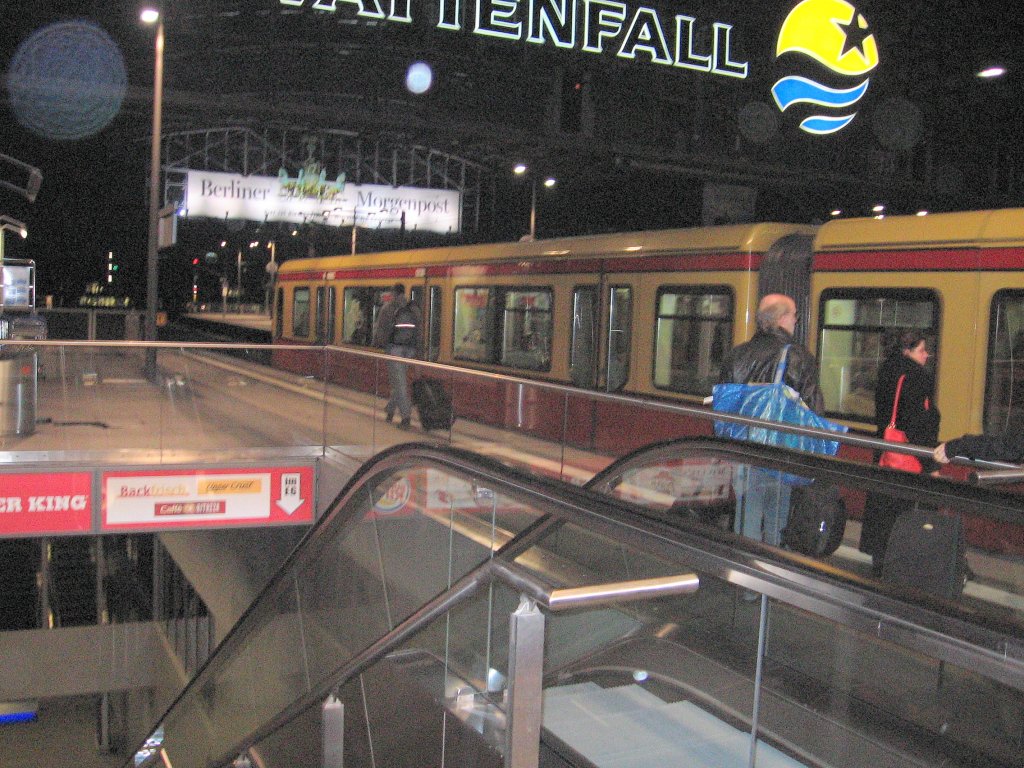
693, 332
850, 344
357, 316
434, 323
474, 327
300, 312
583, 345
279, 314
620, 318
526, 329
324, 331
1004, 378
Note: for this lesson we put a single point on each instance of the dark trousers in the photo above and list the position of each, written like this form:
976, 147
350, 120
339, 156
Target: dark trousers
880, 513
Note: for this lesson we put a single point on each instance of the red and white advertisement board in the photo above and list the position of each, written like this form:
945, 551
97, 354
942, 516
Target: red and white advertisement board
206, 498
45, 503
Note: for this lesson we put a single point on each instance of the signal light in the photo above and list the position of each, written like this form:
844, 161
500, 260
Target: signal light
195, 262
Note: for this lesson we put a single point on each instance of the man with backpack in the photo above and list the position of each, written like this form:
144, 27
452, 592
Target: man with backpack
398, 333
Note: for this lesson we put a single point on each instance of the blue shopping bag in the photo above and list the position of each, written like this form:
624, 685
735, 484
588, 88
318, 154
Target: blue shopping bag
774, 401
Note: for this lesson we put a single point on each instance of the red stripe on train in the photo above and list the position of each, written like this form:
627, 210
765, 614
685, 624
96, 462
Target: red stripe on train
677, 263
919, 261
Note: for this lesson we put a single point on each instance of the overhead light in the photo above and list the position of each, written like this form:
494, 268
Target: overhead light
921, 213
878, 208
13, 225
550, 181
520, 168
149, 15
837, 212
992, 72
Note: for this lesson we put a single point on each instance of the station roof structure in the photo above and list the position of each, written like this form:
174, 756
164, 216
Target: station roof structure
650, 113
497, 97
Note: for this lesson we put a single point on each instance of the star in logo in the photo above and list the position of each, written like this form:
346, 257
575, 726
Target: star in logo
855, 34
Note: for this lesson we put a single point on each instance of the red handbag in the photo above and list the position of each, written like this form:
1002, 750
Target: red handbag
891, 459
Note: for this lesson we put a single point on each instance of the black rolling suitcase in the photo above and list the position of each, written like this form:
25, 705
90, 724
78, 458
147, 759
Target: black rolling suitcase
927, 551
433, 403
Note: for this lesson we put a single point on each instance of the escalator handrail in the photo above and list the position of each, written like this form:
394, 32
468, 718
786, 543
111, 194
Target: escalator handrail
733, 558
941, 633
985, 500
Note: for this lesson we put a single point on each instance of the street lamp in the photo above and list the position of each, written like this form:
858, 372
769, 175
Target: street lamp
32, 184
271, 268
549, 181
7, 223
151, 16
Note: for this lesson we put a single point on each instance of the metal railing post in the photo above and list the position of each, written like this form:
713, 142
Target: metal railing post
525, 685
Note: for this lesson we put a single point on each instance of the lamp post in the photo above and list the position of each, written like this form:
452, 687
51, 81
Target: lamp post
151, 16
549, 182
271, 268
7, 223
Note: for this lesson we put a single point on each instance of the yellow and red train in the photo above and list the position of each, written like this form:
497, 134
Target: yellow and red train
652, 313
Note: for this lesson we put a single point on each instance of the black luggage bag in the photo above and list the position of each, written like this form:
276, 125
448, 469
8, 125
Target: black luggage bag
817, 519
927, 550
433, 403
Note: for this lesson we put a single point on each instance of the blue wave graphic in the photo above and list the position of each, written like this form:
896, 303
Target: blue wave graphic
821, 124
793, 89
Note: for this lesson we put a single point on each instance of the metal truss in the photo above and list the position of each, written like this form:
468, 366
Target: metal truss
363, 159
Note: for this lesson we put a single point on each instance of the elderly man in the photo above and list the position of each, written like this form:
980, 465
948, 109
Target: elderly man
762, 498
756, 359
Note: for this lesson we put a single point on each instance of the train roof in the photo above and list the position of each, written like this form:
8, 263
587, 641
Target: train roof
737, 238
998, 228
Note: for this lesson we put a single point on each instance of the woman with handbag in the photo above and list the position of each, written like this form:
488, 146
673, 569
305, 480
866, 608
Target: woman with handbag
905, 412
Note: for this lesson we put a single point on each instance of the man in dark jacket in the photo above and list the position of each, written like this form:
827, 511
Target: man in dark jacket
398, 333
762, 498
756, 360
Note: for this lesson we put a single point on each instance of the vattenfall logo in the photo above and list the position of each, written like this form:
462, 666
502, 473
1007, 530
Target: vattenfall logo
826, 38
837, 36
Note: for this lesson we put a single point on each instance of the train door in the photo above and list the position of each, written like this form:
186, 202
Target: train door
583, 343
432, 321
786, 268
279, 314
324, 330
619, 341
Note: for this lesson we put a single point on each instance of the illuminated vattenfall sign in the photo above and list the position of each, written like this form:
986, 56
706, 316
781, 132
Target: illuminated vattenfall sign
592, 26
833, 33
317, 200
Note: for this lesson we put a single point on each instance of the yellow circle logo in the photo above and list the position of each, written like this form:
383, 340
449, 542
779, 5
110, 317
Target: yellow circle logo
837, 36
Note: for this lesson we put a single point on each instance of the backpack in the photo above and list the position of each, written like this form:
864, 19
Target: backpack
404, 332
817, 520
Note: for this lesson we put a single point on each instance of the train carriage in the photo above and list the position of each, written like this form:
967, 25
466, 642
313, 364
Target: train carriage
646, 313
959, 277
652, 313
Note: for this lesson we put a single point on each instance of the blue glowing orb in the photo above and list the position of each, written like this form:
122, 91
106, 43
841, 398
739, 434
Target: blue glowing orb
67, 80
419, 78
